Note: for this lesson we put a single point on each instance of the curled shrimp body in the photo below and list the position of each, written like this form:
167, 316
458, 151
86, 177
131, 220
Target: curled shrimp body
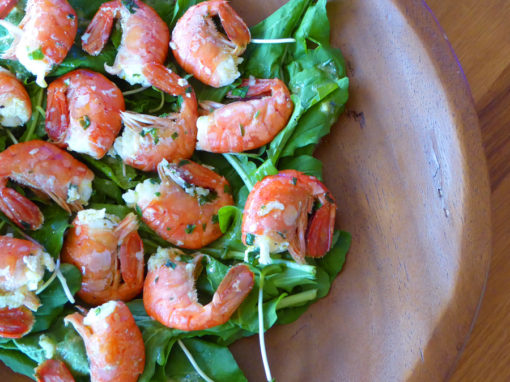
146, 140
183, 208
113, 342
83, 112
44, 167
170, 297
249, 124
44, 36
289, 211
109, 254
144, 44
15, 105
22, 265
53, 370
205, 52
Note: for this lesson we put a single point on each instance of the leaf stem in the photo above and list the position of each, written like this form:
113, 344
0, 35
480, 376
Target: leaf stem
239, 169
273, 40
262, 340
193, 362
65, 287
35, 118
297, 299
134, 91
50, 280
161, 104
11, 135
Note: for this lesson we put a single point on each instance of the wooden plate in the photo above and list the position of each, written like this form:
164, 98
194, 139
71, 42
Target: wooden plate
407, 167
405, 163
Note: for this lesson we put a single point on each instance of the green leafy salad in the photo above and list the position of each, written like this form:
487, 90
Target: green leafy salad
316, 77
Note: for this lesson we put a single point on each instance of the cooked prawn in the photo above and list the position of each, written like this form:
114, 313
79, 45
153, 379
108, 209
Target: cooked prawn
113, 342
144, 44
22, 267
289, 211
248, 124
53, 370
15, 105
170, 297
44, 36
44, 167
205, 52
109, 254
146, 140
183, 208
83, 112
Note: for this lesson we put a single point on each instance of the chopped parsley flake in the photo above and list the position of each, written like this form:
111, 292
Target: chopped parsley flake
240, 92
183, 163
130, 5
250, 238
152, 132
282, 235
294, 181
241, 128
158, 194
98, 311
215, 219
210, 197
190, 228
204, 226
36, 54
256, 114
328, 198
170, 264
85, 122
175, 135
70, 16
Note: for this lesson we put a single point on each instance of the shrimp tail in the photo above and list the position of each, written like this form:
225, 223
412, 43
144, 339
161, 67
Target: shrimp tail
97, 33
15, 323
131, 251
53, 370
57, 112
23, 212
232, 290
76, 319
166, 80
6, 7
137, 122
234, 26
320, 231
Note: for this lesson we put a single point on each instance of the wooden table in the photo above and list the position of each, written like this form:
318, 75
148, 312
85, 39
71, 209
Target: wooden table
479, 32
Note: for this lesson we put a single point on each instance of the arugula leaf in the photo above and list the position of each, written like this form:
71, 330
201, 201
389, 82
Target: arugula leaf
216, 361
51, 234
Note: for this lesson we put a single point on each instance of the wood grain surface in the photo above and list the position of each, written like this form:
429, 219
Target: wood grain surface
479, 32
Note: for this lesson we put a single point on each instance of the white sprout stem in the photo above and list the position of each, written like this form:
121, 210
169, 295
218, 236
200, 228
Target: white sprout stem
50, 280
134, 91
262, 340
11, 136
161, 104
193, 362
273, 40
65, 287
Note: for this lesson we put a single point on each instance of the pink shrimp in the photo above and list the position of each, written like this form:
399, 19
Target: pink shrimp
15, 105
144, 45
44, 167
44, 36
83, 112
205, 52
183, 208
23, 264
113, 342
99, 244
53, 370
170, 297
289, 211
247, 124
146, 140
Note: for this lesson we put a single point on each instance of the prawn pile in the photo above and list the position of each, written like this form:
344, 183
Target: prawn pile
156, 176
